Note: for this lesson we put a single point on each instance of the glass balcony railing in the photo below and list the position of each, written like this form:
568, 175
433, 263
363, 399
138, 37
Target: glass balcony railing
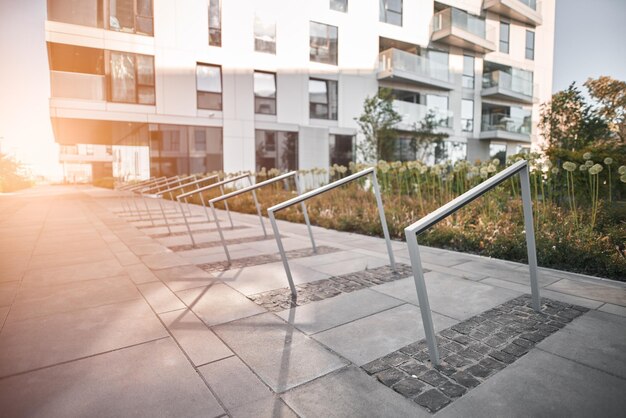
507, 81
508, 123
396, 59
456, 18
77, 85
414, 113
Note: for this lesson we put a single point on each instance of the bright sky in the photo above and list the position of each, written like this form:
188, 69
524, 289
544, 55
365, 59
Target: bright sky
590, 41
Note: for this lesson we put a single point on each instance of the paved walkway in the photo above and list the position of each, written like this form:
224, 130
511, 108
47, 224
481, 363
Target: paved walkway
100, 317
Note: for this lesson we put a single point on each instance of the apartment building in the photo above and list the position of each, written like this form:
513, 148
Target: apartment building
202, 85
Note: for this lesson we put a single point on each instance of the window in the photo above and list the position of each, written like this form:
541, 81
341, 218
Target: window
322, 99
199, 140
209, 86
341, 149
215, 23
339, 5
391, 11
504, 37
133, 16
77, 12
498, 151
264, 35
438, 106
131, 78
530, 45
75, 59
468, 72
276, 149
467, 115
89, 150
264, 93
323, 43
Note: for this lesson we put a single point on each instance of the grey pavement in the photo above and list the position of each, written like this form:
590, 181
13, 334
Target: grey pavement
100, 317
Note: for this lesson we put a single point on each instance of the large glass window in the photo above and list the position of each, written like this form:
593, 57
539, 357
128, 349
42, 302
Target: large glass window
209, 86
75, 59
215, 23
530, 45
77, 12
391, 11
339, 5
133, 16
438, 106
132, 78
341, 149
504, 37
468, 71
323, 43
467, 115
276, 149
264, 93
322, 99
264, 35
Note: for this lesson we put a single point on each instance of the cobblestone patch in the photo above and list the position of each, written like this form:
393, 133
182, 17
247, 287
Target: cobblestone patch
195, 231
238, 263
210, 244
280, 299
471, 351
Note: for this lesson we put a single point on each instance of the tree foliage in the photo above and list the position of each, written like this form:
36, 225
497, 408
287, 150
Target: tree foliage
11, 177
377, 124
610, 97
424, 136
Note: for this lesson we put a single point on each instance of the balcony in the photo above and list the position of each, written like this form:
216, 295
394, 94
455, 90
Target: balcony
82, 86
458, 28
504, 86
506, 127
413, 113
395, 64
526, 11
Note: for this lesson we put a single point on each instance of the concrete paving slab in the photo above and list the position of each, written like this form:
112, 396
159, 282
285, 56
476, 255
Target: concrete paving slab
450, 296
351, 266
349, 392
160, 297
613, 309
36, 301
152, 379
218, 303
596, 339
7, 292
38, 342
139, 273
541, 384
4, 311
369, 338
163, 260
185, 277
75, 272
264, 277
234, 383
329, 313
279, 354
272, 407
201, 345
597, 291
502, 271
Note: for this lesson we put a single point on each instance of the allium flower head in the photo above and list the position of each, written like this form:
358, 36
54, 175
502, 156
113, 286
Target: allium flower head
587, 156
608, 161
583, 167
622, 169
595, 169
491, 168
589, 163
623, 178
555, 170
495, 162
569, 166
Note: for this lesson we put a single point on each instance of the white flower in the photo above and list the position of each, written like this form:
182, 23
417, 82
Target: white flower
583, 167
589, 163
495, 162
569, 166
608, 161
595, 169
555, 170
587, 156
623, 178
622, 169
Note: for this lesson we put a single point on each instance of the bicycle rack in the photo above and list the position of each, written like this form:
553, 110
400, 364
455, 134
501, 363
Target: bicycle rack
252, 189
318, 191
199, 191
431, 219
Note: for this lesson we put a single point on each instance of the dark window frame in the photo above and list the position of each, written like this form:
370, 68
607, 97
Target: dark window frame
215, 33
258, 100
313, 49
467, 77
384, 11
329, 106
138, 85
210, 93
136, 17
530, 49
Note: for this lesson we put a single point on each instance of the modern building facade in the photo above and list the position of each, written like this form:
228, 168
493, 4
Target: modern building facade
244, 84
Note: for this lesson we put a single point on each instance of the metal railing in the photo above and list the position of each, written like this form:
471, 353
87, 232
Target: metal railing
184, 186
316, 192
199, 191
396, 59
134, 190
252, 189
431, 219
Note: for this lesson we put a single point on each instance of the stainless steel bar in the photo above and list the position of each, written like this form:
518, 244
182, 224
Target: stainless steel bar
383, 221
530, 237
306, 215
230, 218
219, 230
258, 211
